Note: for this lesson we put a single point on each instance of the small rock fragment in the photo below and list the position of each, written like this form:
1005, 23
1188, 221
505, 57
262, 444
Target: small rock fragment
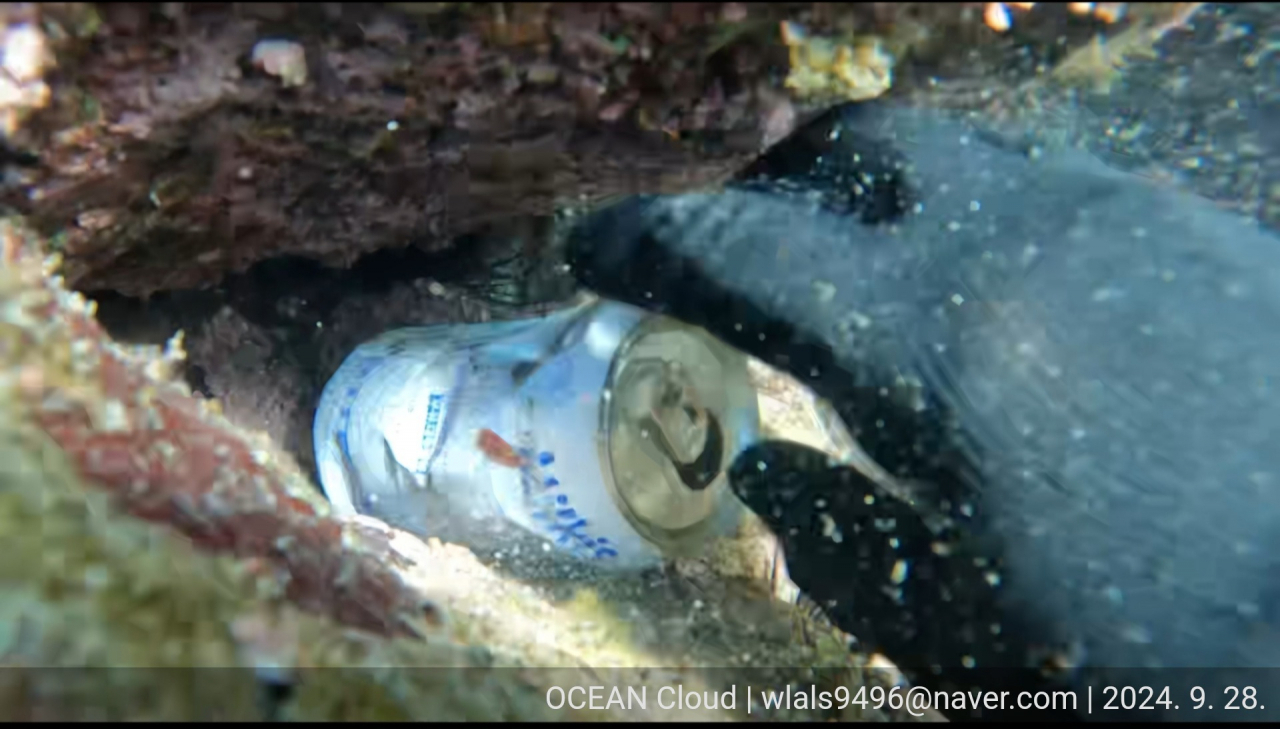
824, 291
543, 73
283, 59
821, 67
996, 17
23, 58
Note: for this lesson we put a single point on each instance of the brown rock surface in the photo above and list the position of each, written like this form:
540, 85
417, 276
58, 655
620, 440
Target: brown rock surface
183, 141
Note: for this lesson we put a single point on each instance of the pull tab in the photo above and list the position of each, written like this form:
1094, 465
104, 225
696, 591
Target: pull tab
688, 434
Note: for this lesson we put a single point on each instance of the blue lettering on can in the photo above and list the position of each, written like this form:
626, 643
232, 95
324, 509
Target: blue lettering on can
436, 405
557, 516
364, 365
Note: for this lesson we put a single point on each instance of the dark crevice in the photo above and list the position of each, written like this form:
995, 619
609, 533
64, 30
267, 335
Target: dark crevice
266, 340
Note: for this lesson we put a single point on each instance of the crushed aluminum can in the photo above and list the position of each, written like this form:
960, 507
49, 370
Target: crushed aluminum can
604, 429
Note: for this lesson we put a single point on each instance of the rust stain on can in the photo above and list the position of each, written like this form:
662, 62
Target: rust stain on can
498, 450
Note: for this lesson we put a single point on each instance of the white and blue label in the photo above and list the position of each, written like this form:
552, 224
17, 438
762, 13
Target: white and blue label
552, 510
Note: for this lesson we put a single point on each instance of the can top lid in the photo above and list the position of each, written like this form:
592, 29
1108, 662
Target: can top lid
679, 407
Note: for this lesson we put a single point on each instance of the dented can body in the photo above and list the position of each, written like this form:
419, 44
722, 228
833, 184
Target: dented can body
601, 428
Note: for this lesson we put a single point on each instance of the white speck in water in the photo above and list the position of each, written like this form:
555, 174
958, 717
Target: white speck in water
1136, 634
868, 499
737, 327
1139, 232
820, 503
964, 141
1115, 595
1077, 433
894, 543
644, 433
995, 629
813, 372
114, 416
900, 571
957, 299
393, 125
648, 294
992, 578
859, 320
942, 549
1102, 294
319, 325
761, 336
967, 510
829, 528
824, 291
918, 208
97, 577
697, 604
974, 206
761, 466
546, 546
953, 226
880, 424
1168, 276
435, 288
968, 662
1147, 329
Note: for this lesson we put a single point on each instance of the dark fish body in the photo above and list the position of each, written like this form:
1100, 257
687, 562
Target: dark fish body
1079, 364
